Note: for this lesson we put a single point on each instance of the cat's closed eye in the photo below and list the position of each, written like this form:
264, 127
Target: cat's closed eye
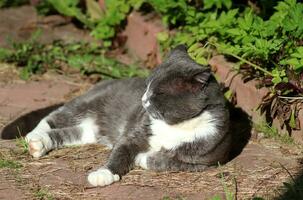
159, 93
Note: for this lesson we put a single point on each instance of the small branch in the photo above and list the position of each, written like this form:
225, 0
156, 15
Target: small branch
292, 178
101, 73
292, 98
246, 61
251, 64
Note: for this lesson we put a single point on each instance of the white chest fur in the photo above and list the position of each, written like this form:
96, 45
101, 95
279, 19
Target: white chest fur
171, 136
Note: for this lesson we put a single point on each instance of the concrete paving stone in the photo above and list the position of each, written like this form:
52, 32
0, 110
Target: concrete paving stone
18, 98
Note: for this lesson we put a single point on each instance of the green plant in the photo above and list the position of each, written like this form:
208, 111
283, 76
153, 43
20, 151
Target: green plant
88, 58
105, 23
21, 142
271, 132
43, 194
229, 195
102, 23
4, 163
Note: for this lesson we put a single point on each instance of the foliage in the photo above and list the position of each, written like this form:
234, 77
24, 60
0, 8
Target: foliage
272, 132
228, 194
4, 163
267, 49
273, 46
88, 58
104, 24
21, 142
43, 194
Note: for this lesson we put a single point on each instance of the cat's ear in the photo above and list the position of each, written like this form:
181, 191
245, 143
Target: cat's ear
178, 52
203, 76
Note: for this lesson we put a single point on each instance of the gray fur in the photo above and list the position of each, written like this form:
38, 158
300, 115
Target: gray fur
179, 90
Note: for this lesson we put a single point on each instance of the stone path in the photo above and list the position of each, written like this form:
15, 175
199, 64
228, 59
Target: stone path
18, 24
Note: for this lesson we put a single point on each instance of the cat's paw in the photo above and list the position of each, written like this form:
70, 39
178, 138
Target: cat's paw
141, 160
38, 144
102, 177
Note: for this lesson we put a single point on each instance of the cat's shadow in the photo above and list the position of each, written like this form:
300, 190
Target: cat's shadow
240, 126
240, 129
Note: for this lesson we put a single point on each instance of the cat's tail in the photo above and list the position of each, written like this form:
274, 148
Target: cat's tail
27, 122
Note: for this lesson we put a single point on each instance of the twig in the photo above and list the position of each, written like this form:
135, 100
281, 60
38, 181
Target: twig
245, 61
293, 98
101, 73
291, 176
236, 188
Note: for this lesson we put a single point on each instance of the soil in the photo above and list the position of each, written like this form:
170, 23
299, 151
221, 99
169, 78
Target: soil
259, 167
259, 170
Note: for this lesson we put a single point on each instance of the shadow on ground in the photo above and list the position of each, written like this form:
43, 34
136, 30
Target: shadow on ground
294, 188
240, 128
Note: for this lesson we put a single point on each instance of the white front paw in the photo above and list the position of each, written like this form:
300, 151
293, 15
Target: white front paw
102, 177
141, 160
38, 143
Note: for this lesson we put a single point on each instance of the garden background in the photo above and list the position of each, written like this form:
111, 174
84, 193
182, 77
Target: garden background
53, 50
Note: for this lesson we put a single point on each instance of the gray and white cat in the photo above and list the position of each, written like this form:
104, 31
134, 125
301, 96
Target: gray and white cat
176, 119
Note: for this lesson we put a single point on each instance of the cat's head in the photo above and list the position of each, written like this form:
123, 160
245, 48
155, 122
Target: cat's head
176, 88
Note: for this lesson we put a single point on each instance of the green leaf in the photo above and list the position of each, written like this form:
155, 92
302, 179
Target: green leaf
69, 8
276, 80
293, 61
25, 74
227, 3
194, 47
292, 121
162, 36
216, 198
94, 9
228, 94
201, 61
4, 53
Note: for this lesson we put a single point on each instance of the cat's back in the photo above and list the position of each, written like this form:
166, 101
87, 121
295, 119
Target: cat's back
112, 92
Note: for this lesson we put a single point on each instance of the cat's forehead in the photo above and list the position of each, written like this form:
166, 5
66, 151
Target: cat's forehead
167, 72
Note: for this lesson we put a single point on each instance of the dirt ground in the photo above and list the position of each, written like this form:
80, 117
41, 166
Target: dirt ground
260, 169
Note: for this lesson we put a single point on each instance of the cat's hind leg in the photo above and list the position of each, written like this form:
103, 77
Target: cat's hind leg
161, 161
43, 139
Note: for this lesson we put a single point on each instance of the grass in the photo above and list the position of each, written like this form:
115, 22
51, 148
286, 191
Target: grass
21, 142
175, 198
229, 195
11, 164
43, 194
85, 58
272, 132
